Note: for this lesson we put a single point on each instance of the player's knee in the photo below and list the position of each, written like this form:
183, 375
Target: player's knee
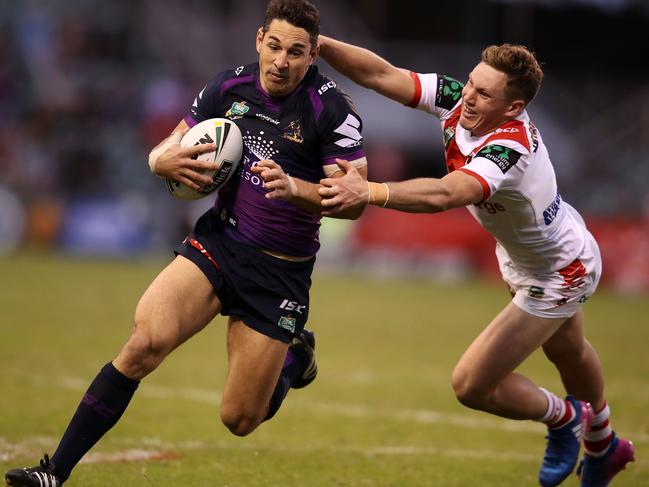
144, 350
467, 390
240, 421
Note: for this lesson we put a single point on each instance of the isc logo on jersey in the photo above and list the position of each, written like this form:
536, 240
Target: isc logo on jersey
325, 87
227, 156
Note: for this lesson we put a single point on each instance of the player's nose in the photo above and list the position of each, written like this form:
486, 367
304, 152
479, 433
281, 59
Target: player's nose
281, 61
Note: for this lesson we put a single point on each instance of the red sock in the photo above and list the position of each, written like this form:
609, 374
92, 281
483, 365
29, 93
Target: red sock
599, 437
560, 411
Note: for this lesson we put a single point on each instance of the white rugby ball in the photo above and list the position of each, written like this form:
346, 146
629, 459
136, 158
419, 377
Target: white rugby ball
229, 149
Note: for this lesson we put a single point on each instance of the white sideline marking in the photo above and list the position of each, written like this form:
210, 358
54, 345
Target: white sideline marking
424, 416
329, 407
126, 456
164, 450
26, 448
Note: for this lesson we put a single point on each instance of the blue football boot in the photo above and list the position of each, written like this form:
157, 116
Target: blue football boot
562, 450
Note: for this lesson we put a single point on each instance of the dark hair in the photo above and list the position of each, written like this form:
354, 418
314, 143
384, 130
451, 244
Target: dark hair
521, 67
299, 13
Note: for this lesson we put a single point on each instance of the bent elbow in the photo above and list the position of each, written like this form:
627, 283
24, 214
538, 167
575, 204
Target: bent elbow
440, 202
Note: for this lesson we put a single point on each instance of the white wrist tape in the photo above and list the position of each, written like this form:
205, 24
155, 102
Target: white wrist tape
154, 155
292, 186
331, 169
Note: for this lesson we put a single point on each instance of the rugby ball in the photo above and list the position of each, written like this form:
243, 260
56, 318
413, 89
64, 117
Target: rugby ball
229, 149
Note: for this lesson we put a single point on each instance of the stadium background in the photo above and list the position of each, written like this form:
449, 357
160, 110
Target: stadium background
87, 87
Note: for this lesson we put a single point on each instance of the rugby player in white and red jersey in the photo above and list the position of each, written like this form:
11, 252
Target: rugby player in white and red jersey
499, 168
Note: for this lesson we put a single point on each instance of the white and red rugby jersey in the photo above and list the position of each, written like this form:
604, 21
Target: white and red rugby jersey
522, 208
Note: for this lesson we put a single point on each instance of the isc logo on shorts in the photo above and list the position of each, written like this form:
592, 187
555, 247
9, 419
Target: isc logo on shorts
292, 306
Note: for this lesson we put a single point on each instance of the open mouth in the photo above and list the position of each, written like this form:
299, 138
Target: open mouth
467, 110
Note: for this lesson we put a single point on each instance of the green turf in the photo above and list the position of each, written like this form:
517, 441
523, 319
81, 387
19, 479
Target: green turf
381, 413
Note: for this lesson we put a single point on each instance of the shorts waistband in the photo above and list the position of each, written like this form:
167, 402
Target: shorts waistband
221, 220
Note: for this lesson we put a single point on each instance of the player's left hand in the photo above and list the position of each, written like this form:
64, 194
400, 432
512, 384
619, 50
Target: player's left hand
279, 184
344, 194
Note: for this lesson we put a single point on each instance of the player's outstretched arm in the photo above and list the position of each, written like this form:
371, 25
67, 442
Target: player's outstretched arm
421, 195
169, 160
299, 192
368, 69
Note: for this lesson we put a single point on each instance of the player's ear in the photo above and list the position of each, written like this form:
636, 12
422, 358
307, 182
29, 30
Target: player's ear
515, 108
315, 52
260, 38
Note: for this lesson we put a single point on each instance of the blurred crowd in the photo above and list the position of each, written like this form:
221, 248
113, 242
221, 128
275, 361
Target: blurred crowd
88, 87
84, 95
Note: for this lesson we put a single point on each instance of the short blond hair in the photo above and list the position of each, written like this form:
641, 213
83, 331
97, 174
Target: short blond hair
521, 67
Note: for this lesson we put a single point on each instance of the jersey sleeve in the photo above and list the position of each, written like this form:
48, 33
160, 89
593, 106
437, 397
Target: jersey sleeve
340, 129
436, 94
498, 165
206, 102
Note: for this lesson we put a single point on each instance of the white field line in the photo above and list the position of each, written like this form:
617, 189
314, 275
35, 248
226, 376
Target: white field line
155, 449
169, 450
329, 407
423, 416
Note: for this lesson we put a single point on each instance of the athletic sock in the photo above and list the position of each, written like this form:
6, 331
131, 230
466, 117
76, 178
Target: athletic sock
599, 437
293, 367
101, 407
559, 413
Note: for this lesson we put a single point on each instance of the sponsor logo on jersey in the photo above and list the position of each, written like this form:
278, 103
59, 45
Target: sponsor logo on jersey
550, 213
503, 157
266, 118
287, 322
449, 92
492, 208
293, 132
536, 292
449, 133
237, 110
350, 129
238, 70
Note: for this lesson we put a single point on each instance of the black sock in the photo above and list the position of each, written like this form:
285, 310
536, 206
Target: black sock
293, 367
101, 407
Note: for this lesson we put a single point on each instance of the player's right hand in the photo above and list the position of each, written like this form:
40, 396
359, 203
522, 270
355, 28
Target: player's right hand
346, 194
180, 164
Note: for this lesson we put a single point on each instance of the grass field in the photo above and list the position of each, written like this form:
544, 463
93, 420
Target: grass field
381, 412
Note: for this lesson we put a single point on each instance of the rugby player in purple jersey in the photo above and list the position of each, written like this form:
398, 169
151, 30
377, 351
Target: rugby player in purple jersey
251, 256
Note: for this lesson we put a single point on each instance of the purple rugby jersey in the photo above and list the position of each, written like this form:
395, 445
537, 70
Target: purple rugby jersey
303, 132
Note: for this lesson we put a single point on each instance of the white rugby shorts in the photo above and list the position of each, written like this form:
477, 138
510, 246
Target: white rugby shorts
558, 294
